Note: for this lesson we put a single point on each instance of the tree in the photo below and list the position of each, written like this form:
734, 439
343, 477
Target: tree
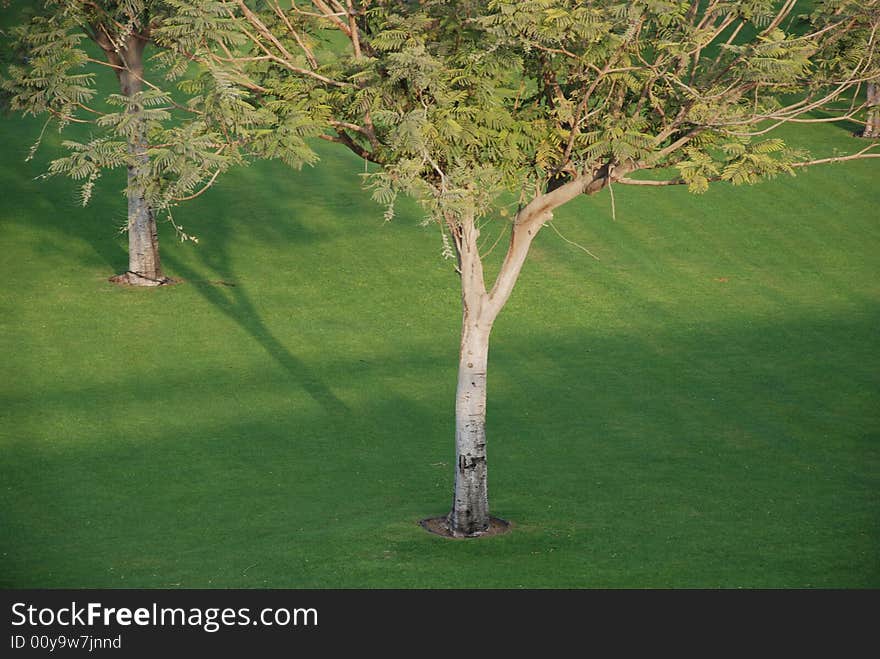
465, 105
173, 151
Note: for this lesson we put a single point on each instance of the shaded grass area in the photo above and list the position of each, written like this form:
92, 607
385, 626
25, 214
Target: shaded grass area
696, 409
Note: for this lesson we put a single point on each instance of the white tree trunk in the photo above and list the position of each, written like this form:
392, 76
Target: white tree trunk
470, 506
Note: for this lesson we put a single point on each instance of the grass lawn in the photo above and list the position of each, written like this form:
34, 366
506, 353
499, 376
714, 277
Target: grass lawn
699, 408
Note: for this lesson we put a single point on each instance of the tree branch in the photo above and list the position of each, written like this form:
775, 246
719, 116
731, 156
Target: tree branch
343, 138
855, 156
202, 191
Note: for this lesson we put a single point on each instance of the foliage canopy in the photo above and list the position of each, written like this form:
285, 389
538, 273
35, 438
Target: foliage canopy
461, 101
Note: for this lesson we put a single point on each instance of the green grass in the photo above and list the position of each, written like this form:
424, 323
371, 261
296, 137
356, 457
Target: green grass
699, 408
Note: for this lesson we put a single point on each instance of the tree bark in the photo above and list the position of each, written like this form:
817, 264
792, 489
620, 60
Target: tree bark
470, 505
144, 265
872, 125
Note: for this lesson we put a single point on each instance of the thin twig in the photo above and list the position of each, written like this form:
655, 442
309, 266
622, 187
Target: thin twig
571, 242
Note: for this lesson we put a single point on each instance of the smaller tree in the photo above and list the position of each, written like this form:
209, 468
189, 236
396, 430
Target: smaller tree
173, 150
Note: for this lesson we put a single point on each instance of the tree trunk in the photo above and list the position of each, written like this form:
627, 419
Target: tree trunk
470, 503
470, 506
872, 125
144, 266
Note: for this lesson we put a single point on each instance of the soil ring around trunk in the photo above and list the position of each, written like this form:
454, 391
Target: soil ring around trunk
126, 279
129, 278
438, 526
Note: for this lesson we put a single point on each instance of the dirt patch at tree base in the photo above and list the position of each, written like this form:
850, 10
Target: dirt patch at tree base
133, 279
438, 526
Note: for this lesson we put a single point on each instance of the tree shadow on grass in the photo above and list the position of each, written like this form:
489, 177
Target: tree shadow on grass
52, 207
256, 210
216, 282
